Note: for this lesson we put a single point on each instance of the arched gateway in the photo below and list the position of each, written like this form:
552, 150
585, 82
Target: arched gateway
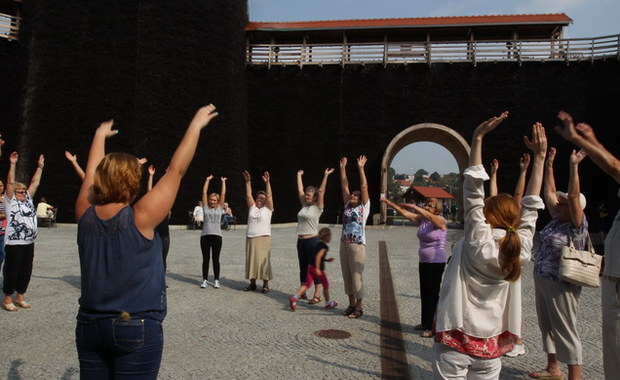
436, 133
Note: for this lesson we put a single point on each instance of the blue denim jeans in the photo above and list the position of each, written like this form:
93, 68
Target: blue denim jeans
113, 348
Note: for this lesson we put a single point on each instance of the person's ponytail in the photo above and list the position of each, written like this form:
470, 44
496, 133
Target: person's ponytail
509, 253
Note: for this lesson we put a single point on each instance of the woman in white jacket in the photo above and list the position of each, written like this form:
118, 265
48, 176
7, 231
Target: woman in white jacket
479, 310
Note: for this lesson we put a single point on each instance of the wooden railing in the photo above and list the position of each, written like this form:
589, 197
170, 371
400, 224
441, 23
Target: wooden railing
9, 26
568, 50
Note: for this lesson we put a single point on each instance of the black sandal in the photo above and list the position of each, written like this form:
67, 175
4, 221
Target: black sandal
348, 311
250, 288
314, 300
265, 290
356, 313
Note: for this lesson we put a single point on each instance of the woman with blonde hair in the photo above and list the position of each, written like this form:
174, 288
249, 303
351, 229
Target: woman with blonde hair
123, 294
21, 233
312, 202
211, 238
479, 309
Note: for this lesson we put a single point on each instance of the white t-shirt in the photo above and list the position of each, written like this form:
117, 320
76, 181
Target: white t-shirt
259, 221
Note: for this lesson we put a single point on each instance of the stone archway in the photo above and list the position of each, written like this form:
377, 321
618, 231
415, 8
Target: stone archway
429, 132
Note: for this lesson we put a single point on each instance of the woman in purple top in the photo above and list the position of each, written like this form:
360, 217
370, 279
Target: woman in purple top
557, 301
432, 253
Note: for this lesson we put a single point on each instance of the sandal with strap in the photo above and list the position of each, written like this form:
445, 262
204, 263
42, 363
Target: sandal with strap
9, 307
265, 290
23, 304
348, 311
250, 288
356, 313
314, 300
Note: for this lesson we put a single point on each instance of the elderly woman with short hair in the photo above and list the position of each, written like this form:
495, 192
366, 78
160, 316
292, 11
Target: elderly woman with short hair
20, 235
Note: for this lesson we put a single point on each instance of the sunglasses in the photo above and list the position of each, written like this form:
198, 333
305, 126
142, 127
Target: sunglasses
20, 192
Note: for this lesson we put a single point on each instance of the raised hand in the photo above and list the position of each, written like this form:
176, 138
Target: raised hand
361, 161
329, 171
494, 166
551, 156
106, 130
577, 157
246, 176
13, 158
524, 162
151, 169
300, 172
567, 130
343, 162
41, 161
70, 157
142, 161
266, 177
204, 115
489, 125
538, 142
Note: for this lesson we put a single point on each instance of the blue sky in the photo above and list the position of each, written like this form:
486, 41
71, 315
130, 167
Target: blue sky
591, 18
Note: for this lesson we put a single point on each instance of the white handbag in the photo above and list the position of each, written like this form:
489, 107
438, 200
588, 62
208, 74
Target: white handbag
580, 267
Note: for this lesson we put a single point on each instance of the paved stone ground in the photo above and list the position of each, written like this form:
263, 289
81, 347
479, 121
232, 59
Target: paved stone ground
229, 334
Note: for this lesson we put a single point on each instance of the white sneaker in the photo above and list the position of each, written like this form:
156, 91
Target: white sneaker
217, 284
518, 350
204, 284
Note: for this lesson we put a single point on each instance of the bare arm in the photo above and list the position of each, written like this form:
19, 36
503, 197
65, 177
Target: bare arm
551, 199
149, 184
493, 178
321, 199
574, 206
205, 190
538, 145
344, 181
269, 200
361, 162
223, 191
300, 188
73, 159
583, 136
248, 189
524, 163
96, 154
153, 207
413, 217
36, 178
437, 220
10, 180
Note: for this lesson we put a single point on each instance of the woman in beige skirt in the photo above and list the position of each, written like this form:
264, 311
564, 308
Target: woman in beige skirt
258, 238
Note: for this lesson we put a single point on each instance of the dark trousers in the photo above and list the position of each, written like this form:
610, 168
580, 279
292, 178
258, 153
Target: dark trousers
18, 264
113, 348
306, 249
430, 282
208, 244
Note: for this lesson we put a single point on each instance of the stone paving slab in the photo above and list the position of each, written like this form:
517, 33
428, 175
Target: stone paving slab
226, 333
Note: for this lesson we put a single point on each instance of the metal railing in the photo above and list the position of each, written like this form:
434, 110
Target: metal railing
568, 50
9, 26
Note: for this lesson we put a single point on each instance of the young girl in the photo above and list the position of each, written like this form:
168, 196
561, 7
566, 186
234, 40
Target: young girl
316, 268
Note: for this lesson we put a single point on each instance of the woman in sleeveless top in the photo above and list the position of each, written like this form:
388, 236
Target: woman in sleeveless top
123, 295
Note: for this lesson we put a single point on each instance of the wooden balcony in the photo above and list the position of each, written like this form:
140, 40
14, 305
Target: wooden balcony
9, 26
429, 52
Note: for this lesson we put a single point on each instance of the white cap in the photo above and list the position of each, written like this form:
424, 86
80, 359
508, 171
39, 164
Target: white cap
582, 198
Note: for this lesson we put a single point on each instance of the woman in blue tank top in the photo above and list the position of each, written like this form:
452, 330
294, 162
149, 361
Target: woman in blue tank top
123, 294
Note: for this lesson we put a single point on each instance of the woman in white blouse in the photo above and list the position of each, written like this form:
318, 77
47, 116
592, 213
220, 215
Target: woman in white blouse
258, 238
479, 311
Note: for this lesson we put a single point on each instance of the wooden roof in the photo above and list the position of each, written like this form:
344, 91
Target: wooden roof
432, 192
524, 26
